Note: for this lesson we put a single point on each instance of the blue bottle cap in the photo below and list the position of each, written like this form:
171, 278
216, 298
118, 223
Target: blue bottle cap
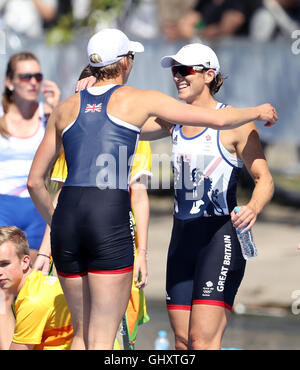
162, 333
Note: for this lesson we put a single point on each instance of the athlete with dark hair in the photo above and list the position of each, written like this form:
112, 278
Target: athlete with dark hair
91, 238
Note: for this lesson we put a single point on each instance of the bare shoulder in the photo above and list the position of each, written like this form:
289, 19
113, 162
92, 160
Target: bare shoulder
129, 91
67, 111
69, 102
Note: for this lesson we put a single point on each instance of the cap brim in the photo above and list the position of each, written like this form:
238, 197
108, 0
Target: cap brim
167, 61
136, 46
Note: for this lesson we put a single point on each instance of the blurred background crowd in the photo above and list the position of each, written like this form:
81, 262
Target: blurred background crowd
257, 42
174, 20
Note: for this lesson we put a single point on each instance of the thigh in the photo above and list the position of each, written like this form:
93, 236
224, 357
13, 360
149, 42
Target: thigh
76, 292
180, 322
220, 265
107, 231
207, 325
180, 268
109, 299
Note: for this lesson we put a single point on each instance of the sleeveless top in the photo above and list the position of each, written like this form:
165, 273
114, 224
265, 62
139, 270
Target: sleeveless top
99, 148
16, 156
205, 174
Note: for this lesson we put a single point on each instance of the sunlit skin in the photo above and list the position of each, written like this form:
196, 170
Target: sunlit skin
13, 270
27, 90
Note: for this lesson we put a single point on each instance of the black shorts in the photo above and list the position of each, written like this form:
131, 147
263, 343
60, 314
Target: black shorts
92, 231
205, 263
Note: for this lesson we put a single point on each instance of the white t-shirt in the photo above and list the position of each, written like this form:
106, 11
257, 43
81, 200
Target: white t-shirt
23, 17
16, 155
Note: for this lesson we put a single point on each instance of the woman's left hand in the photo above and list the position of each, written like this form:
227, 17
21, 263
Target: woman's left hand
140, 270
51, 93
244, 219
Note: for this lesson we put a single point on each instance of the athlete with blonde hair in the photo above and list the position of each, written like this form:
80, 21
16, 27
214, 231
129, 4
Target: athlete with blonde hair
91, 238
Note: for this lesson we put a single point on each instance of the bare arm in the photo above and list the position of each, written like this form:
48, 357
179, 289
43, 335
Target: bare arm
249, 149
140, 207
173, 111
20, 346
7, 320
47, 12
230, 23
42, 262
155, 129
43, 160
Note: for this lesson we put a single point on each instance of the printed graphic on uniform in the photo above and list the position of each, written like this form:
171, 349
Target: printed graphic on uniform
206, 197
226, 263
93, 108
208, 289
208, 138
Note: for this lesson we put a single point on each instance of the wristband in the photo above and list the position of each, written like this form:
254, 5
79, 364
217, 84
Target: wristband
44, 255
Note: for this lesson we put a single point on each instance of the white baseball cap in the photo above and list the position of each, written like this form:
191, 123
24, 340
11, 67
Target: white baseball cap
193, 55
109, 46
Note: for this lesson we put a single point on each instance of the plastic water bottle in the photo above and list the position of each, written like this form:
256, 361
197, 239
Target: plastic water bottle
161, 342
246, 240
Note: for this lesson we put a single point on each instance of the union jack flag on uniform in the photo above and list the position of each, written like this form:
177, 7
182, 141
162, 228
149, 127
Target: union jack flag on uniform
93, 108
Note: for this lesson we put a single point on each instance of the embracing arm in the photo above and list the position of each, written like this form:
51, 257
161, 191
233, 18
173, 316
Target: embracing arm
173, 111
249, 149
155, 129
42, 162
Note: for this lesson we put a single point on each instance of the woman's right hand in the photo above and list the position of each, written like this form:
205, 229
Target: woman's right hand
267, 113
85, 83
51, 93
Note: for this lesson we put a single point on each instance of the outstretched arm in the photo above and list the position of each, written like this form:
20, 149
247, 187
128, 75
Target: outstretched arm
173, 111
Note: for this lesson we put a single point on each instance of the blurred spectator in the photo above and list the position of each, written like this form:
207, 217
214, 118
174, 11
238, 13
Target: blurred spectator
170, 13
63, 8
275, 18
26, 17
80, 8
218, 18
139, 19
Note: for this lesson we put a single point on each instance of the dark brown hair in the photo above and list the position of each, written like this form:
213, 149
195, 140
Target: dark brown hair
216, 83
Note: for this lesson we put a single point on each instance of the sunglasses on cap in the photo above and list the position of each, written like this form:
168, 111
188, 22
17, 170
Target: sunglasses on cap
187, 70
26, 77
129, 54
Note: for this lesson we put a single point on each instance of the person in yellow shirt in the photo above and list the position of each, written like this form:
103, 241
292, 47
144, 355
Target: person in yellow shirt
42, 317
